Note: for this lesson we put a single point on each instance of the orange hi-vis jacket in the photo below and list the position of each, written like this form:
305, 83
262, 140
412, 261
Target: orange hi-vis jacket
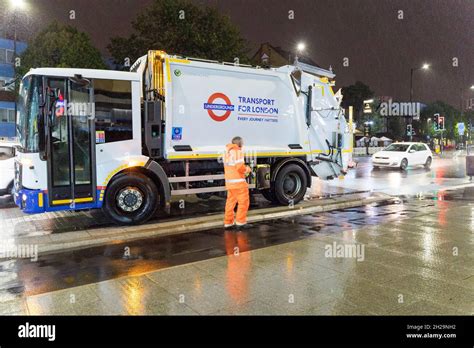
235, 168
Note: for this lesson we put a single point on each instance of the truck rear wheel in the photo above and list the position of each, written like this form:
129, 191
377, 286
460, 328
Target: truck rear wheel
131, 198
269, 195
290, 184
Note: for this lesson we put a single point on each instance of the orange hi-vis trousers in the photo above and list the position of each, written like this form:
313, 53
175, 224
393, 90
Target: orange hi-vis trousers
239, 197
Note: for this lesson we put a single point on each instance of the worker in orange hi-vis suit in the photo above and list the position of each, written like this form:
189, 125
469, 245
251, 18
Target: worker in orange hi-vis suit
235, 172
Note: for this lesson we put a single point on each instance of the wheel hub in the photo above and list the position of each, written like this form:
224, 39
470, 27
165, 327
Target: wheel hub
130, 199
291, 185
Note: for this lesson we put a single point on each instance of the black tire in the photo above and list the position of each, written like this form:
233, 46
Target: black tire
376, 167
10, 189
290, 184
404, 164
428, 162
269, 195
131, 199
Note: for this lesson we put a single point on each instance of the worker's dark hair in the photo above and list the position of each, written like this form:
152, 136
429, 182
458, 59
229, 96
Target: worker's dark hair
236, 140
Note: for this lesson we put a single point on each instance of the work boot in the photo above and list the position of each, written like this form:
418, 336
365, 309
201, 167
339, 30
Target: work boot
229, 225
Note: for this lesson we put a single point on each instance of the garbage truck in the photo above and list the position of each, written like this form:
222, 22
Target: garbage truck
127, 142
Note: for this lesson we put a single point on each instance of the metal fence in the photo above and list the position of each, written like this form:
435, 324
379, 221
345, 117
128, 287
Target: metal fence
361, 151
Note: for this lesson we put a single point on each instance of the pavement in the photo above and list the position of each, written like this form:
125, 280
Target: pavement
401, 258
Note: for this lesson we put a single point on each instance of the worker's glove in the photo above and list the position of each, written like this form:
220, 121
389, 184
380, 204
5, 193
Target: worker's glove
248, 171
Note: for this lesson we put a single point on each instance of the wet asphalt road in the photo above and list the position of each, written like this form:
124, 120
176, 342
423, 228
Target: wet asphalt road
69, 269
446, 171
64, 270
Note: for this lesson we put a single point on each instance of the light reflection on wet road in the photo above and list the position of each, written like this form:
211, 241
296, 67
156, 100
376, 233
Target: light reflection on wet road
63, 270
70, 269
444, 172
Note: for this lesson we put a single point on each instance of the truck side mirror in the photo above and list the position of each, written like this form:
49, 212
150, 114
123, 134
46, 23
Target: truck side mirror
81, 81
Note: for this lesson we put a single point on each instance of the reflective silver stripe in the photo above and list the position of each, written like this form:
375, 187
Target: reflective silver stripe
231, 181
233, 163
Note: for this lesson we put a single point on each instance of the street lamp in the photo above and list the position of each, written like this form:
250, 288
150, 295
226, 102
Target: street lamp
462, 97
462, 111
16, 5
425, 66
300, 47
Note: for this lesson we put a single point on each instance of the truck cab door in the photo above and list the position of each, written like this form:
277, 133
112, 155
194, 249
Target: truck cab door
70, 152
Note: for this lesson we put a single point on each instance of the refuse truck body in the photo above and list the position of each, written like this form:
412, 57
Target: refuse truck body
127, 142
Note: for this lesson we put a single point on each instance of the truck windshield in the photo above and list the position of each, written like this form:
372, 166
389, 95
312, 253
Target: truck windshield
28, 108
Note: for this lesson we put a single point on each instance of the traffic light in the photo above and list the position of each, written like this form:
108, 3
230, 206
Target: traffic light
436, 122
367, 130
441, 123
409, 129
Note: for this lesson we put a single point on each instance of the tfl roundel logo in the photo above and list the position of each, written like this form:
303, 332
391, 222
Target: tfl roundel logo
221, 103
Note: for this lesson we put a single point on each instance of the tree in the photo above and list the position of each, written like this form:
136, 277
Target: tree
451, 117
376, 120
61, 46
396, 128
180, 27
354, 95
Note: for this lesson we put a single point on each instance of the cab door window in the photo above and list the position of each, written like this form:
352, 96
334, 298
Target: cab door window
59, 138
113, 110
80, 114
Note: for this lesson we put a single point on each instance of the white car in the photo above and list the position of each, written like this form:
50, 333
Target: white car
402, 155
7, 167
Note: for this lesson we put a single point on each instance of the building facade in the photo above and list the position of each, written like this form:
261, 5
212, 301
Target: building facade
272, 56
7, 95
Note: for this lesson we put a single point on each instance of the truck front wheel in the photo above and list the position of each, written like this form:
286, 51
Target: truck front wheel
130, 199
290, 184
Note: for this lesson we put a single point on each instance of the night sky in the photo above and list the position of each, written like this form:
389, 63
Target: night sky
381, 48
